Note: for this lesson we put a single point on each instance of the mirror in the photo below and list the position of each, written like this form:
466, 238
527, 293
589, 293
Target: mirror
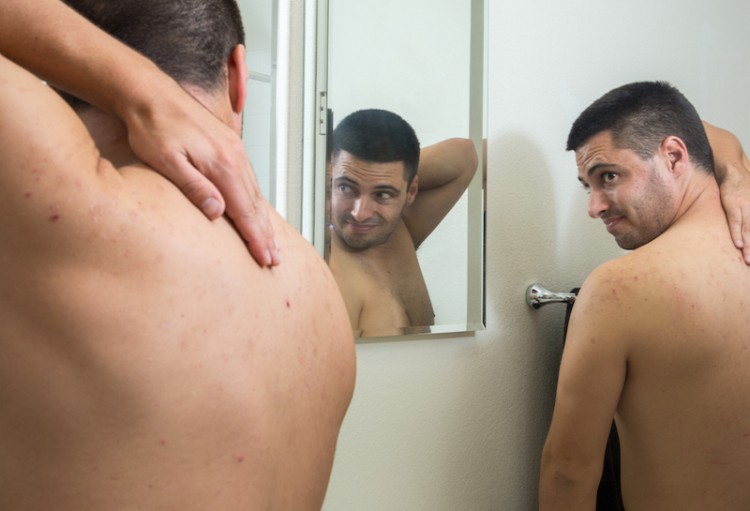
258, 18
424, 61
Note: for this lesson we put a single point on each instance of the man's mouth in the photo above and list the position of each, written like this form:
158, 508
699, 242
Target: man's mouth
611, 223
358, 227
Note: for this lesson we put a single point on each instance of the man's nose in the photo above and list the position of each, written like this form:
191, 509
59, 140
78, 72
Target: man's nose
598, 204
361, 209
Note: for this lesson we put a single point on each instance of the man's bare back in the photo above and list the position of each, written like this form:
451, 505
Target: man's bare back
384, 290
148, 361
658, 337
682, 364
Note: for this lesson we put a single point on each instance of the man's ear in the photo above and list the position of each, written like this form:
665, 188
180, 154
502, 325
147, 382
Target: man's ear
675, 154
411, 193
237, 75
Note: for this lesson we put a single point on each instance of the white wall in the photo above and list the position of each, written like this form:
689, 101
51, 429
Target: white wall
458, 423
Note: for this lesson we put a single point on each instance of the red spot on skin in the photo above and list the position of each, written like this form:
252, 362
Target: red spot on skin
27, 194
288, 305
240, 459
54, 217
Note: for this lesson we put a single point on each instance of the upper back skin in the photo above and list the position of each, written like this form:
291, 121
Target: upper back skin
684, 413
147, 361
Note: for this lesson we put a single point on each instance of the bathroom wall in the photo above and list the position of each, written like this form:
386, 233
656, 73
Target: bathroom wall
457, 423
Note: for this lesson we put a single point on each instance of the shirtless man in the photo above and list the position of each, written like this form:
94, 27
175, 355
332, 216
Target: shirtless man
382, 209
658, 337
146, 361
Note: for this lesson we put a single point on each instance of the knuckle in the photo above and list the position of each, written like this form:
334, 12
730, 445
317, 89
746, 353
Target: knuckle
193, 187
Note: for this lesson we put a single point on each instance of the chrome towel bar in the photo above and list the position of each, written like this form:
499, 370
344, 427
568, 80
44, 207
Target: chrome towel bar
537, 295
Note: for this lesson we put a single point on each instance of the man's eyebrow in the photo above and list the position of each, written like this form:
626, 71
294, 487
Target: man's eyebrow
387, 188
598, 166
593, 169
345, 179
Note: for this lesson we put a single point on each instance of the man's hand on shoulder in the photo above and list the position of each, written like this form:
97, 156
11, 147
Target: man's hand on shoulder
735, 198
202, 156
732, 170
168, 129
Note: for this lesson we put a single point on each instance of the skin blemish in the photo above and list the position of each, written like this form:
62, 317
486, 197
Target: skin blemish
288, 305
27, 194
54, 214
239, 459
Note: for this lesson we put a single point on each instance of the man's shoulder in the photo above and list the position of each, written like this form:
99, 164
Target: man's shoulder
628, 279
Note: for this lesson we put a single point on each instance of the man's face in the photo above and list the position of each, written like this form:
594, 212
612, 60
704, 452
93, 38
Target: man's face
368, 199
631, 195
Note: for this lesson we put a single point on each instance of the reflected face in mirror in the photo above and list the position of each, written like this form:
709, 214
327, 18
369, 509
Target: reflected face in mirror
368, 200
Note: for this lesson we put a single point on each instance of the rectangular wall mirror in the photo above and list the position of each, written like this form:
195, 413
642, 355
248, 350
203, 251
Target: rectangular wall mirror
424, 61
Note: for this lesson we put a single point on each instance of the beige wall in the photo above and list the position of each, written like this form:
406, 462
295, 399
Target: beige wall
457, 423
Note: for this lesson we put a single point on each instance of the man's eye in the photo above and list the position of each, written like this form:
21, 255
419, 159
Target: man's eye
608, 177
384, 195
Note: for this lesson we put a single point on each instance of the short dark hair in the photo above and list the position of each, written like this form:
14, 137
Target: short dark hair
190, 40
640, 116
378, 136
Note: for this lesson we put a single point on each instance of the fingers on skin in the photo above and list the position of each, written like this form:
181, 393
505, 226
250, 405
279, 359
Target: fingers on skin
744, 239
245, 205
223, 188
203, 194
249, 213
739, 227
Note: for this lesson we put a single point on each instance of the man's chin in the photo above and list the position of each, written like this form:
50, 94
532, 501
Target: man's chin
629, 242
358, 243
354, 242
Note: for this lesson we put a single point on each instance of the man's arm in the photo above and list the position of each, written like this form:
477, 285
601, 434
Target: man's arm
732, 170
445, 170
167, 128
592, 374
51, 175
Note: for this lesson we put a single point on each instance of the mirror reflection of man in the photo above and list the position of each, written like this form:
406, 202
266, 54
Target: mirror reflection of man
387, 197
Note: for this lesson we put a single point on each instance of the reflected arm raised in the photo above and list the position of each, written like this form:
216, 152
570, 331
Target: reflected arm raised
445, 171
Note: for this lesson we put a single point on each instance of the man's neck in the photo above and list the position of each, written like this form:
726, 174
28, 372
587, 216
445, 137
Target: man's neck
700, 191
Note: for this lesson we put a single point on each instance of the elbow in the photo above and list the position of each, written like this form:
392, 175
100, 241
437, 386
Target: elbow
567, 484
466, 154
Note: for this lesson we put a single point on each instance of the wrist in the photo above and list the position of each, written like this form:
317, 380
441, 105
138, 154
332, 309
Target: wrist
136, 96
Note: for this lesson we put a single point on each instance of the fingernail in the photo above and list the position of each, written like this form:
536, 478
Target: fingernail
276, 253
211, 208
738, 243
